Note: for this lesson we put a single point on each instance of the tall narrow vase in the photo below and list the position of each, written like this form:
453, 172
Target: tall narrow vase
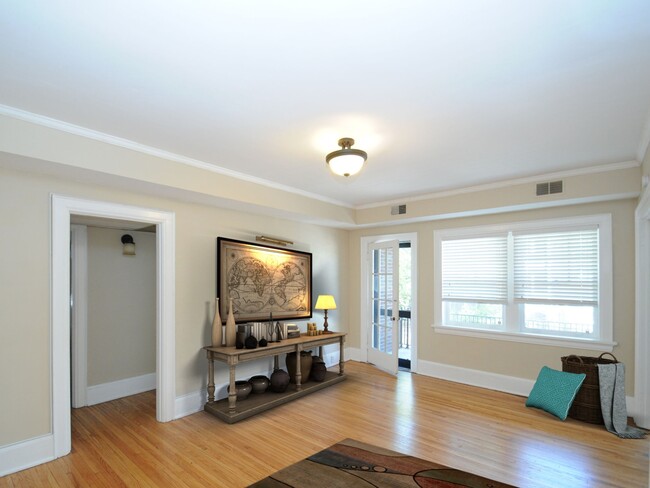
217, 327
231, 328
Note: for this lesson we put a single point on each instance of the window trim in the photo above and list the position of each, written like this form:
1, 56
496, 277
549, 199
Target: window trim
605, 341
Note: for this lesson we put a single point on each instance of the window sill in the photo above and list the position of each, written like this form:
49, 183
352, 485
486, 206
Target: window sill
542, 340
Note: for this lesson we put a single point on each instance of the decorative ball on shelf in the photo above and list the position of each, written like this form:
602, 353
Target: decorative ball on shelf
318, 369
279, 380
263, 342
250, 342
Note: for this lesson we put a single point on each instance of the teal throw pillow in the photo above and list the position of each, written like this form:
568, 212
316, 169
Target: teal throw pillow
554, 391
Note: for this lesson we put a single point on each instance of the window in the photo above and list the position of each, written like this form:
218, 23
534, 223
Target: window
548, 280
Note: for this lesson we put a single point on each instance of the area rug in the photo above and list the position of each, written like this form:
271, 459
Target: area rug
352, 464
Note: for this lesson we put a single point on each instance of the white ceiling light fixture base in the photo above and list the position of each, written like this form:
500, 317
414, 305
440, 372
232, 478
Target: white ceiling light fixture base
346, 161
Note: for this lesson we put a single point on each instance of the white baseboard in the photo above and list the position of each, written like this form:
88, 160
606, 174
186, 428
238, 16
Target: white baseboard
491, 381
474, 377
191, 403
26, 454
119, 389
32, 452
354, 354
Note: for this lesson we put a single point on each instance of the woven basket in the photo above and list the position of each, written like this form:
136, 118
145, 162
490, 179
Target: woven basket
586, 406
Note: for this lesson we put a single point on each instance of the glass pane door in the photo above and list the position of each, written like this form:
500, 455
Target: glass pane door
384, 266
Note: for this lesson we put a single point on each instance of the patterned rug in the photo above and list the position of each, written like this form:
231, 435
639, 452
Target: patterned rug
353, 464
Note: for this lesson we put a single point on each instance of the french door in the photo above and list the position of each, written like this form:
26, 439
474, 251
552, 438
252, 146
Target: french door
384, 306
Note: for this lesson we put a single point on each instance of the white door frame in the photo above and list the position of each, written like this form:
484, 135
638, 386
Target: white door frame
642, 321
79, 318
365, 270
62, 208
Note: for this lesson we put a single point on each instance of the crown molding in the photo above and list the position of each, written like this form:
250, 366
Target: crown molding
507, 183
504, 209
56, 124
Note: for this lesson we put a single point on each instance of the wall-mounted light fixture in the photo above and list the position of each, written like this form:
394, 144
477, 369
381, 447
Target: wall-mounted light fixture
274, 240
128, 245
346, 161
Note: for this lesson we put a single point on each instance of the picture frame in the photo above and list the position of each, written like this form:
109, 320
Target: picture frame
263, 281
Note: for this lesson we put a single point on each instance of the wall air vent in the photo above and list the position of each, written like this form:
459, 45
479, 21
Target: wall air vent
550, 188
398, 210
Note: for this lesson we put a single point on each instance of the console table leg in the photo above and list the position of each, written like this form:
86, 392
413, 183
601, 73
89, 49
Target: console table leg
341, 359
232, 391
210, 380
298, 369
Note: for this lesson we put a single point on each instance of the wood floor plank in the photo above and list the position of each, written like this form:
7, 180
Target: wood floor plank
492, 434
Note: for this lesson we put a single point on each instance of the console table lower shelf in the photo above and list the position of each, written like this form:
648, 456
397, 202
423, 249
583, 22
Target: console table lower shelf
232, 410
259, 402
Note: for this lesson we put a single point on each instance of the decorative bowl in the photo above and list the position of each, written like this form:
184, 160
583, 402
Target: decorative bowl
243, 389
260, 383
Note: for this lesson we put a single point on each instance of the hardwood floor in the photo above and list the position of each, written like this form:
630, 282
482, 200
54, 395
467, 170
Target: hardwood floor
493, 434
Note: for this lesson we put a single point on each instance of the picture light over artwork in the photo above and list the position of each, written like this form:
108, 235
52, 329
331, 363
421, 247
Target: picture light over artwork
273, 240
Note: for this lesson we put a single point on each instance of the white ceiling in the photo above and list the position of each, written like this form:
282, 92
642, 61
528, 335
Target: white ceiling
441, 94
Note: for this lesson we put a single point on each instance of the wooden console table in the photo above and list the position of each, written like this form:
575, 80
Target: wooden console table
232, 411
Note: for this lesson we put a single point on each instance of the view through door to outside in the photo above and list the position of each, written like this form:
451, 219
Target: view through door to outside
405, 290
390, 304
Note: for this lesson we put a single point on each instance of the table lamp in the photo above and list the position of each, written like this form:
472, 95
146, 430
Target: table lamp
325, 302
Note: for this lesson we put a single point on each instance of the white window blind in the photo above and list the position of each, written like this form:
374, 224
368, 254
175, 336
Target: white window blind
561, 267
475, 270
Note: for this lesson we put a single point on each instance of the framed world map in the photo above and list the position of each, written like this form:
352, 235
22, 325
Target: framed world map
263, 280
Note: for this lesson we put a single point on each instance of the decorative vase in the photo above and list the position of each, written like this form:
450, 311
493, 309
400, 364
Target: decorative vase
259, 383
279, 380
305, 366
318, 369
243, 389
217, 327
250, 342
231, 332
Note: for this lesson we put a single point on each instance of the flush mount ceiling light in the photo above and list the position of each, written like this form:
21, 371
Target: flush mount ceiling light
346, 161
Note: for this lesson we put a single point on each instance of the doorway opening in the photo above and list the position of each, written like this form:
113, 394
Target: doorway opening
113, 322
62, 209
389, 305
642, 332
405, 300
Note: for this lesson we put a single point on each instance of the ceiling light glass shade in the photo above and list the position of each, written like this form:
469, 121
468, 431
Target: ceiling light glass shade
346, 161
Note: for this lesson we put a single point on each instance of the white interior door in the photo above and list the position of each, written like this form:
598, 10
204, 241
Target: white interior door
384, 307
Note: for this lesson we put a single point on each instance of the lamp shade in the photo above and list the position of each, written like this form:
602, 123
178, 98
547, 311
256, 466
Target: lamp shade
325, 302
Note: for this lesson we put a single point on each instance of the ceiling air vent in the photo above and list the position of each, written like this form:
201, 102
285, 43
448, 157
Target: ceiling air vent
549, 188
398, 210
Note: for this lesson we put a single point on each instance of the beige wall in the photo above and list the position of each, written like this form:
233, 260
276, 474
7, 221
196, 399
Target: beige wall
121, 306
85, 159
76, 166
600, 183
25, 298
508, 358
